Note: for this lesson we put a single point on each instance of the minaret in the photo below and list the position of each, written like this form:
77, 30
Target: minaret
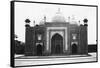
27, 37
84, 36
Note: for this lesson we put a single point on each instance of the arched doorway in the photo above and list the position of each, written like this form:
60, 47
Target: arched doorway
74, 49
39, 49
57, 44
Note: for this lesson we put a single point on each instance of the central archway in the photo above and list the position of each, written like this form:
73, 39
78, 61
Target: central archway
57, 44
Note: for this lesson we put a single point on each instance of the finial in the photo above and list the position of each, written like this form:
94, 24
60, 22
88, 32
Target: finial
44, 18
73, 17
34, 22
58, 11
69, 19
79, 21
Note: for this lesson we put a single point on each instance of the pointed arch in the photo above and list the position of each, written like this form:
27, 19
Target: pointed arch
57, 44
74, 49
39, 49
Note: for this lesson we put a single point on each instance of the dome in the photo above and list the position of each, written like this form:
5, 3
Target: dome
58, 17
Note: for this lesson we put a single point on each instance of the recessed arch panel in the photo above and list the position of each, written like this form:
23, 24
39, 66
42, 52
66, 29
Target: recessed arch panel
57, 44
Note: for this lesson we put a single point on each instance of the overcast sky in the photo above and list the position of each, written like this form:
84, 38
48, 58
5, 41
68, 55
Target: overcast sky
36, 11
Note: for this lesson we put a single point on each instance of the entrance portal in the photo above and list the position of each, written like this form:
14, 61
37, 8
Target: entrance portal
39, 50
57, 44
74, 49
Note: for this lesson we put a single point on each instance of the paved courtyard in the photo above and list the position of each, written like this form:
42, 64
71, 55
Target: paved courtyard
40, 60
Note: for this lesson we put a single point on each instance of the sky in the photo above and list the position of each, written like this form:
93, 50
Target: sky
37, 11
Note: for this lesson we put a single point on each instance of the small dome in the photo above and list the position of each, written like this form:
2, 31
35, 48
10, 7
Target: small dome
58, 17
74, 21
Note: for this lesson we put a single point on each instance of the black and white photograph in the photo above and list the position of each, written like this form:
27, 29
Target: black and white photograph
53, 33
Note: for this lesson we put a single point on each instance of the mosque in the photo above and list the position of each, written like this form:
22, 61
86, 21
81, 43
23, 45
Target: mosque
57, 37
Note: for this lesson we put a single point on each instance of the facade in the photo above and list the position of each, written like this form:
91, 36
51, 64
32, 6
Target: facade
56, 38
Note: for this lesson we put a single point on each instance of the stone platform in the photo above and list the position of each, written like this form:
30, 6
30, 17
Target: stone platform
45, 60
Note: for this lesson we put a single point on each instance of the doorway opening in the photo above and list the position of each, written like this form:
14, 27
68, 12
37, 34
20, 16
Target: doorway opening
39, 50
74, 49
57, 44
